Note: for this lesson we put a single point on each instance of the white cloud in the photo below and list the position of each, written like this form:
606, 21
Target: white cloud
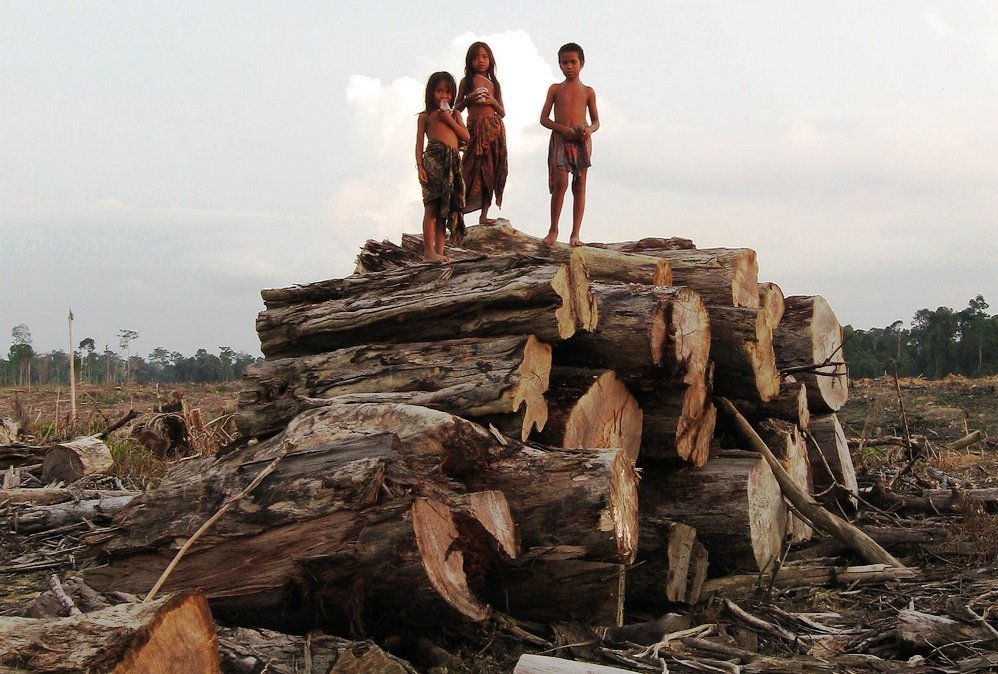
937, 24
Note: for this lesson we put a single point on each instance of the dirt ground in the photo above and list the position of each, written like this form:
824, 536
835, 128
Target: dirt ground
961, 567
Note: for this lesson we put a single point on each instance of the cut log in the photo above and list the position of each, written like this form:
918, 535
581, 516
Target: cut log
722, 276
474, 377
806, 575
671, 565
18, 456
678, 422
99, 510
332, 526
741, 346
772, 303
788, 446
601, 263
808, 344
920, 631
790, 404
513, 295
174, 634
545, 664
647, 335
591, 409
734, 503
554, 583
831, 461
69, 461
243, 650
53, 495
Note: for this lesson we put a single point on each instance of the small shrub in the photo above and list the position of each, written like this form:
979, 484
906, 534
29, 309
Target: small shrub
134, 462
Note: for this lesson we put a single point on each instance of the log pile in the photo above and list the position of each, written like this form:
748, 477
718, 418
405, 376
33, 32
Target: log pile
449, 441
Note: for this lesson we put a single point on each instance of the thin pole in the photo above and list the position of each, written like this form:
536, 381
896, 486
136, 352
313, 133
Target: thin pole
72, 374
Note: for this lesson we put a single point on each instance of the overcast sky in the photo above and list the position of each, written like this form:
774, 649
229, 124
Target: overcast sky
161, 163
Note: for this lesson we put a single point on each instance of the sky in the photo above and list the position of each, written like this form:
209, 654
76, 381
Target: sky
162, 163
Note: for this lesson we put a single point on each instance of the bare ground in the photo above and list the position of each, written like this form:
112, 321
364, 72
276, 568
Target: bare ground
960, 568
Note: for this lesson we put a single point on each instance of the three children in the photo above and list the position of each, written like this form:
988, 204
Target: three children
452, 186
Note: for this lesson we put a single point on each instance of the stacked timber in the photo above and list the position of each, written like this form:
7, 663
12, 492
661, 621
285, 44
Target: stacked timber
428, 443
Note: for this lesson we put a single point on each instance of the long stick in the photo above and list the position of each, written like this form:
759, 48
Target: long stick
821, 518
214, 518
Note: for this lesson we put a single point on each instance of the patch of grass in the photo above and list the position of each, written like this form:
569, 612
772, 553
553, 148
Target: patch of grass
134, 462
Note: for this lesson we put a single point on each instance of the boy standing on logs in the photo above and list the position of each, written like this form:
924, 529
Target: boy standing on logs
570, 148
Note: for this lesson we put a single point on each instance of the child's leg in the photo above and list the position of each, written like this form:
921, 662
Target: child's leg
558, 188
441, 240
484, 218
430, 233
578, 206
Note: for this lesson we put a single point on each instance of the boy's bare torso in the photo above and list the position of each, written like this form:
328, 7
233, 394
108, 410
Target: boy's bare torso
571, 101
437, 128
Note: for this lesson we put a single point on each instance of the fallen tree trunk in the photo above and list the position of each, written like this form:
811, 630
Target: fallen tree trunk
805, 575
249, 650
734, 503
671, 565
42, 496
808, 344
722, 276
591, 409
514, 295
69, 461
741, 345
98, 510
473, 377
832, 470
920, 631
175, 634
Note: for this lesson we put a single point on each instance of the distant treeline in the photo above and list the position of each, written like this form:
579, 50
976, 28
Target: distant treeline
24, 367
938, 343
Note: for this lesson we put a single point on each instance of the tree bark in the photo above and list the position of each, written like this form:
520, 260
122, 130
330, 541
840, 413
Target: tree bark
810, 337
722, 276
473, 377
734, 503
678, 423
69, 461
174, 634
513, 295
920, 631
591, 409
741, 345
831, 461
790, 404
96, 510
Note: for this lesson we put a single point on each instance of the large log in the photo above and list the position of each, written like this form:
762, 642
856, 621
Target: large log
722, 276
678, 422
808, 344
591, 409
601, 263
735, 504
473, 377
334, 526
772, 302
671, 565
741, 345
174, 634
790, 404
98, 510
514, 295
647, 335
787, 443
69, 461
832, 470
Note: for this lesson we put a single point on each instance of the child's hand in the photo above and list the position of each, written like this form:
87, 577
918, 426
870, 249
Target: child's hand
421, 172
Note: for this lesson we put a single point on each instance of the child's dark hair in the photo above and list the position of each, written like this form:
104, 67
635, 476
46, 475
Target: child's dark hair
469, 73
431, 85
571, 46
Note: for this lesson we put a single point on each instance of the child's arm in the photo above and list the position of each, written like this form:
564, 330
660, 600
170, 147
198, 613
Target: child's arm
496, 105
420, 136
459, 128
460, 102
593, 114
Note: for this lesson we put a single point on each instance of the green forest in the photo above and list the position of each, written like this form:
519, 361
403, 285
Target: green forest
938, 343
24, 367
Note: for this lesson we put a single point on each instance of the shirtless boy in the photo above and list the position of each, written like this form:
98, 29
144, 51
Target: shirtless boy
570, 148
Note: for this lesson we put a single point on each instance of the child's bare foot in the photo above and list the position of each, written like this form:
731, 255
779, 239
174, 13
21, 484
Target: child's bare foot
434, 258
486, 221
575, 242
550, 239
